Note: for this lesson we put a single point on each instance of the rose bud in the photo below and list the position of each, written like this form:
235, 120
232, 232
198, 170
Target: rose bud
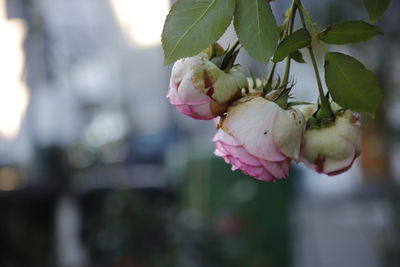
199, 89
332, 149
259, 138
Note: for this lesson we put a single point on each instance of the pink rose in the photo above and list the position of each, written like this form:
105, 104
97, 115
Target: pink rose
259, 138
199, 89
333, 149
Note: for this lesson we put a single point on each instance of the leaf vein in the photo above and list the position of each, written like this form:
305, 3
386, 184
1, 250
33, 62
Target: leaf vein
191, 27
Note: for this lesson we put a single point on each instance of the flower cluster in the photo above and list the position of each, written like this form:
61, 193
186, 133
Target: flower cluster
255, 133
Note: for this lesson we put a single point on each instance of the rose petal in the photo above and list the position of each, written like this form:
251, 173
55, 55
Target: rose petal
188, 94
196, 112
237, 155
252, 170
181, 67
334, 163
342, 170
325, 151
242, 154
287, 132
259, 173
277, 169
203, 111
218, 152
220, 146
350, 131
226, 138
265, 176
173, 97
184, 109
251, 123
236, 164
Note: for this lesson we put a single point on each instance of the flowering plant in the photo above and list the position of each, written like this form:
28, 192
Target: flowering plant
260, 131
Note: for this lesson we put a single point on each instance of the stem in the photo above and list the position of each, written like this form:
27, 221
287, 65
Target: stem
271, 73
235, 44
325, 110
288, 31
287, 72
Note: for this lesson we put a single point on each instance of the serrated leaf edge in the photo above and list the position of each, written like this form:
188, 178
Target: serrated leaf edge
371, 111
259, 31
167, 59
327, 29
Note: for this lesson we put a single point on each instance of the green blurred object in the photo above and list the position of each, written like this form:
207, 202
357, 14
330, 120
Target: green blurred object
127, 227
245, 221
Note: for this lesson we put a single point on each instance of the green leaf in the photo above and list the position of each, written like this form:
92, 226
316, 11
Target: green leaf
376, 8
350, 84
297, 40
349, 32
297, 56
256, 28
193, 25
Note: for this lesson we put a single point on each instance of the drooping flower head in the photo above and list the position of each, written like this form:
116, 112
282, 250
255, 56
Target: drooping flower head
259, 138
332, 149
201, 90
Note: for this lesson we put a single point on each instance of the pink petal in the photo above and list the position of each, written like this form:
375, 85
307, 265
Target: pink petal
203, 111
242, 154
189, 94
220, 147
250, 165
277, 169
236, 164
251, 123
265, 176
195, 112
184, 109
226, 138
219, 152
173, 97
259, 173
251, 170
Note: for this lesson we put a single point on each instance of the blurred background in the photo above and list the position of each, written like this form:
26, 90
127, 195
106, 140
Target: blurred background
97, 169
